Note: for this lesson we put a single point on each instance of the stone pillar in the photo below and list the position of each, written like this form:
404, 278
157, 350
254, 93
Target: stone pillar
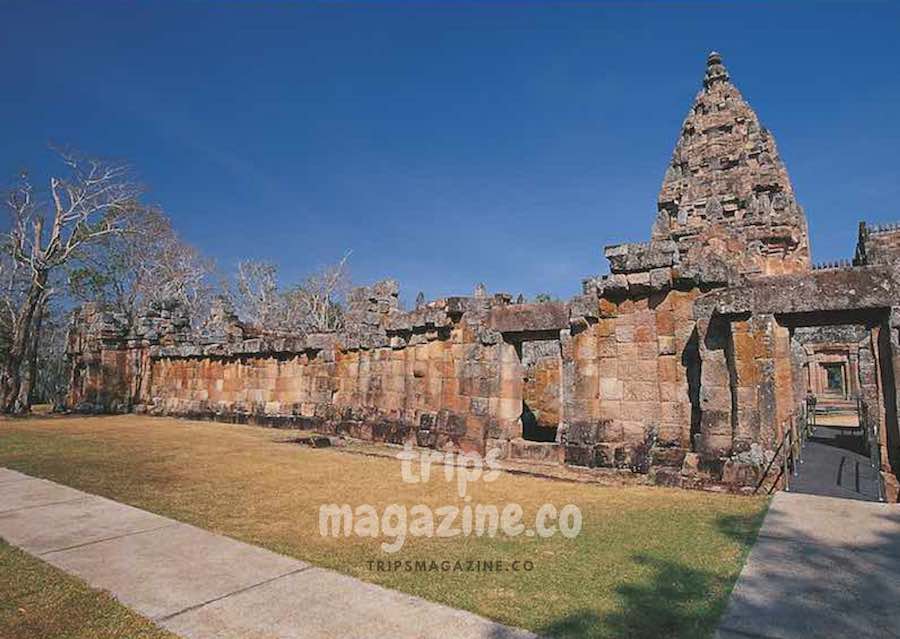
889, 338
784, 386
716, 434
746, 377
509, 403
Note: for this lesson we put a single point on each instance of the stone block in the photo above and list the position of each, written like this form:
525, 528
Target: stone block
583, 433
641, 391
715, 398
610, 409
669, 477
546, 452
615, 285
660, 278
666, 344
739, 474
644, 333
611, 388
608, 455
674, 434
639, 283
624, 333
479, 406
579, 455
635, 431
509, 408
647, 350
674, 413
691, 465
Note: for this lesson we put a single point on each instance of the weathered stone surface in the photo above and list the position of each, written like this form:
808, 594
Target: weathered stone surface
687, 361
877, 245
819, 291
726, 174
630, 258
520, 318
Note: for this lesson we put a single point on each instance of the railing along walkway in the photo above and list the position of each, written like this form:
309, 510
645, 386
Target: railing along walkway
829, 460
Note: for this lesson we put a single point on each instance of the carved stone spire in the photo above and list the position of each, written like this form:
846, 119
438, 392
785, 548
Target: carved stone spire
715, 70
726, 180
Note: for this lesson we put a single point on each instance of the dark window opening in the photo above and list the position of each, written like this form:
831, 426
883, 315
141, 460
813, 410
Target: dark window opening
834, 375
532, 430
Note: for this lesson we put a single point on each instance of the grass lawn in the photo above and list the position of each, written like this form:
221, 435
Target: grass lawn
649, 562
37, 600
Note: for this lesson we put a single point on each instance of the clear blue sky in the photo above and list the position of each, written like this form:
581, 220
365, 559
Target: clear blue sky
445, 143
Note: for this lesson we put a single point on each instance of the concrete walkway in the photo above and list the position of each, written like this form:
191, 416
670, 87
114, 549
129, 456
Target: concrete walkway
833, 467
201, 585
822, 567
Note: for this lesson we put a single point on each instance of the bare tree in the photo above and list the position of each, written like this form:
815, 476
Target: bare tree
51, 378
316, 304
93, 201
313, 306
257, 298
146, 263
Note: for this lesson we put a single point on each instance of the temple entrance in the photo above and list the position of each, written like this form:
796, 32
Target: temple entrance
834, 379
836, 458
542, 364
839, 368
541, 358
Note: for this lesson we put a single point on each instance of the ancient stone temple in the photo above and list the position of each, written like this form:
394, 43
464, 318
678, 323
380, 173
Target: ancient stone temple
726, 190
688, 361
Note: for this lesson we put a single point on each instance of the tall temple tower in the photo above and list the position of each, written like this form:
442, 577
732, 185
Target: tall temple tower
726, 191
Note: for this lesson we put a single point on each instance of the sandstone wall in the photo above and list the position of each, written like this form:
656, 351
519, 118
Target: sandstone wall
606, 377
450, 389
681, 362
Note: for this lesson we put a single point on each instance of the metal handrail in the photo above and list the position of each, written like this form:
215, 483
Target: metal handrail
870, 429
791, 446
765, 474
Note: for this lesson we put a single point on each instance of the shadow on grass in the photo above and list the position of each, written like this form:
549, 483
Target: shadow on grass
673, 600
799, 586
678, 601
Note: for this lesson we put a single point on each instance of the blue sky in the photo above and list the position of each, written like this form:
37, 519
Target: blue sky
446, 143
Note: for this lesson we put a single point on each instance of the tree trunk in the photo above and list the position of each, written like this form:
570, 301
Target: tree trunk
29, 363
21, 343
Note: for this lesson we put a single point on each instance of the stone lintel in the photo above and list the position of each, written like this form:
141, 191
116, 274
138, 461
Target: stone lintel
521, 318
631, 258
849, 289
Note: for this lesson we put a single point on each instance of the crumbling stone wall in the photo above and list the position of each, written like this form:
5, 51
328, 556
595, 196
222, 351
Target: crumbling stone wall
685, 361
877, 245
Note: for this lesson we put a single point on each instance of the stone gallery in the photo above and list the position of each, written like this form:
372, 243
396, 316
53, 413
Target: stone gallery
688, 361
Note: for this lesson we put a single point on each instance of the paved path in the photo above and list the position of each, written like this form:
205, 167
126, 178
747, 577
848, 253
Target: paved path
822, 567
201, 585
835, 465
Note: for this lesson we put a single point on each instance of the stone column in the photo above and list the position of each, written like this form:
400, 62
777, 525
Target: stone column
746, 377
763, 328
853, 372
715, 389
890, 369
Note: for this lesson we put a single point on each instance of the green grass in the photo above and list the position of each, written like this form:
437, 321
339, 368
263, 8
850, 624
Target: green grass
38, 601
649, 562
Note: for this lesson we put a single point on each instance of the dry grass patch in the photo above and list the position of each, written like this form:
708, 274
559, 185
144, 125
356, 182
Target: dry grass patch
649, 561
39, 601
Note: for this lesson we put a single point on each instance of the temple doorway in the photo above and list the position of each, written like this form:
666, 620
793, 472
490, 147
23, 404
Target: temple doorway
834, 379
541, 360
839, 364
